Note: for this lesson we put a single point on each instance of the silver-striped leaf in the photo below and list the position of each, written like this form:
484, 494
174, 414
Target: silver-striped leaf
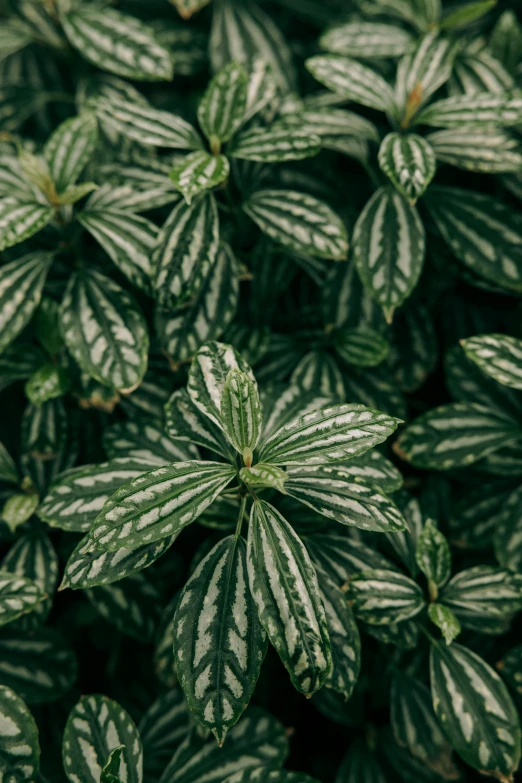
132, 606
475, 710
351, 80
95, 726
445, 620
474, 149
18, 509
433, 554
297, 398
159, 504
21, 285
70, 148
333, 491
186, 249
33, 557
382, 597
135, 190
481, 110
498, 355
333, 126
299, 222
455, 435
285, 588
318, 374
18, 595
146, 125
361, 346
262, 88
117, 43
274, 145
374, 468
19, 746
327, 435
111, 770
105, 330
19, 220
409, 162
146, 443
421, 72
480, 594
219, 643
162, 728
263, 475
185, 421
241, 413
199, 171
47, 383
366, 40
222, 107
388, 248
267, 775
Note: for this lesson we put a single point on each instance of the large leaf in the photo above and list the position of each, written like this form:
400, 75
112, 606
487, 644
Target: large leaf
222, 108
70, 148
498, 355
21, 284
409, 162
132, 606
274, 145
17, 596
483, 110
33, 557
342, 557
146, 443
187, 422
433, 555
382, 597
285, 589
351, 80
298, 221
162, 728
19, 747
327, 435
19, 220
159, 504
481, 594
421, 72
476, 149
97, 725
241, 413
388, 248
366, 40
219, 643
105, 331
146, 125
475, 710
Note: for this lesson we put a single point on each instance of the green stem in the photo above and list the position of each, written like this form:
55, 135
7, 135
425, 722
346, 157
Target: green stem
240, 517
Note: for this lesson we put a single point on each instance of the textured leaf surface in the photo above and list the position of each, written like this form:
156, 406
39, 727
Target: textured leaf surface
131, 606
421, 72
162, 728
70, 148
241, 413
498, 355
475, 149
33, 557
21, 284
199, 171
352, 80
271, 145
381, 597
433, 554
409, 162
185, 421
267, 775
146, 443
361, 346
366, 40
146, 125
223, 105
17, 596
263, 475
482, 593
19, 748
19, 220
442, 616
483, 110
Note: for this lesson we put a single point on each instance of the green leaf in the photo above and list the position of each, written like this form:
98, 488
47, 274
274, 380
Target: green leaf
162, 728
267, 775
366, 40
409, 162
466, 14
327, 435
342, 557
262, 475
319, 375
19, 220
285, 588
433, 555
498, 355
146, 125
21, 285
145, 443
163, 656
455, 435
483, 109
18, 509
132, 606
382, 597
46, 383
95, 727
333, 126
475, 710
421, 72
476, 149
17, 596
388, 248
159, 504
222, 108
511, 668
274, 145
186, 8
241, 413
506, 39
481, 594
127, 239
332, 490
70, 148
19, 747
373, 468
360, 765
186, 249
299, 222
218, 641
199, 171
445, 620
104, 330
361, 346
8, 469
351, 80
117, 43
413, 353
184, 421
111, 770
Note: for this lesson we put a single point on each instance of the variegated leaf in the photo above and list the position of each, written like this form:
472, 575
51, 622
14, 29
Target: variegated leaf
199, 171
219, 643
131, 606
117, 43
433, 556
327, 435
132, 190
263, 475
445, 620
111, 771
373, 468
185, 421
267, 775
21, 285
19, 220
222, 108
475, 710
299, 222
18, 595
498, 355
145, 443
511, 668
366, 40
8, 469
47, 383
409, 162
285, 588
297, 398
33, 557
262, 88
481, 594
318, 374
333, 491
159, 504
274, 145
474, 149
97, 725
70, 148
146, 125
361, 346
382, 597
164, 725
241, 413
104, 330
388, 248
333, 126
18, 509
186, 249
482, 110
351, 80
19, 746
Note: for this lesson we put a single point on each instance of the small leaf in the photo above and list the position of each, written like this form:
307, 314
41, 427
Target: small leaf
70, 148
273, 145
17, 596
445, 620
382, 597
18, 509
498, 355
19, 747
19, 220
409, 162
46, 383
111, 770
199, 171
262, 475
481, 594
433, 555
361, 346
241, 413
366, 40
351, 80
223, 105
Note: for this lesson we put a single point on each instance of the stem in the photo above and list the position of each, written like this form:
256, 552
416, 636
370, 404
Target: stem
240, 517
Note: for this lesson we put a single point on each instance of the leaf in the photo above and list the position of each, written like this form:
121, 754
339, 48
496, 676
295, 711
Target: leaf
262, 475
131, 606
483, 109
414, 350
510, 667
219, 643
361, 346
19, 220
475, 149
373, 468
186, 8
95, 727
146, 443
366, 40
127, 239
319, 375
274, 145
146, 125
117, 43
8, 469
184, 330
17, 596
360, 764
223, 106
382, 597
18, 509
199, 171
186, 250
498, 355
433, 555
164, 725
342, 557
299, 222
40, 666
285, 588
409, 162
388, 248
467, 14
70, 148
47, 383
104, 330
351, 80
445, 620
482, 593
163, 656
421, 72
159, 504
454, 435
327, 435
111, 770
19, 747
241, 413
331, 490
186, 422
475, 710
267, 775
21, 285
333, 126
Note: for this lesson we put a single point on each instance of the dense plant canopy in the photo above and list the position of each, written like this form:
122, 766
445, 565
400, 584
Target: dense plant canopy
261, 386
